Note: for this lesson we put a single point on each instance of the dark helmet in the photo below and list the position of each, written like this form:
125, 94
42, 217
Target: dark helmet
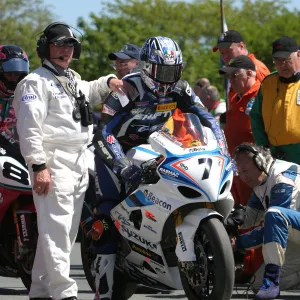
14, 66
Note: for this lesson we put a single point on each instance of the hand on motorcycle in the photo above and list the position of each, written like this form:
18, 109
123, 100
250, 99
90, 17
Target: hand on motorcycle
236, 219
42, 182
132, 175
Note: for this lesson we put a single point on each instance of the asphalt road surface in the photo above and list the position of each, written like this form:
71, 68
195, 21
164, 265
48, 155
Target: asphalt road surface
13, 289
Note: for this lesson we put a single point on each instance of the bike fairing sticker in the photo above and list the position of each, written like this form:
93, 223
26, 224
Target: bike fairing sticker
146, 253
182, 178
171, 163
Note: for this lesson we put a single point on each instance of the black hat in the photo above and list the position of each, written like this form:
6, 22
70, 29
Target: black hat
239, 62
283, 47
128, 51
227, 38
60, 32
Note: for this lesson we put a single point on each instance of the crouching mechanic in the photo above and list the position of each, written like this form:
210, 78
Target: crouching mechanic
151, 98
276, 200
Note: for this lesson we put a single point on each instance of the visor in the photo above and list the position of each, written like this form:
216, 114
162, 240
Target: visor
166, 74
15, 65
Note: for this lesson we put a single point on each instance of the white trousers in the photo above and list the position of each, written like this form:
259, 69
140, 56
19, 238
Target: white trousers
58, 216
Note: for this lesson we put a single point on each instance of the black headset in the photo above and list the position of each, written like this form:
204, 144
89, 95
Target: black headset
42, 45
258, 159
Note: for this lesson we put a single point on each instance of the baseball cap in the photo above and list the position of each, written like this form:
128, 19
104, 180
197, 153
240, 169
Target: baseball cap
128, 51
227, 38
239, 62
283, 47
60, 32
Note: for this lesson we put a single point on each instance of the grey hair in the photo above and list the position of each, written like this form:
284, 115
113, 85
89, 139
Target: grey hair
263, 154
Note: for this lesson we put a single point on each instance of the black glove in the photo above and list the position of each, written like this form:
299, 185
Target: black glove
236, 219
131, 174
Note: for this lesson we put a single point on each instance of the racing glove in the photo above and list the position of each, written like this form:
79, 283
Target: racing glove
236, 219
128, 173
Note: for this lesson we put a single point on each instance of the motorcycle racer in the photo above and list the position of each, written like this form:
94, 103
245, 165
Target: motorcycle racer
14, 66
152, 96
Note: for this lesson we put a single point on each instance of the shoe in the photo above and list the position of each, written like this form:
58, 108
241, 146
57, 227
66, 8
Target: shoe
70, 298
268, 290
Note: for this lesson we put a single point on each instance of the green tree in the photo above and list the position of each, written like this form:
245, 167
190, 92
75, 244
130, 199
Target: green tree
194, 25
21, 21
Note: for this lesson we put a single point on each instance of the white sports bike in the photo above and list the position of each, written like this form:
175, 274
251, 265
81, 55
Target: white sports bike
171, 231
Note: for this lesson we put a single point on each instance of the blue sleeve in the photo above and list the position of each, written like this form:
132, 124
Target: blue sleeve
281, 195
251, 239
105, 143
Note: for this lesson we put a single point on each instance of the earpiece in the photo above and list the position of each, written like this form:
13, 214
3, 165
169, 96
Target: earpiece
42, 46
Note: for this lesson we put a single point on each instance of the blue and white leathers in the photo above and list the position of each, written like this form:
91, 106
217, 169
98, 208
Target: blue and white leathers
277, 201
123, 127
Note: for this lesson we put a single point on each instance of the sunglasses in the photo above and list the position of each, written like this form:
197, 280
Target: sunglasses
69, 43
233, 76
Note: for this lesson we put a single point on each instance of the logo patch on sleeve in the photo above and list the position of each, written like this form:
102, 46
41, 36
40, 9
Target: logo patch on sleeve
29, 97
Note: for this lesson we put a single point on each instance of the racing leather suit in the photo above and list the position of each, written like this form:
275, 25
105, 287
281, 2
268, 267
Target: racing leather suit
49, 135
122, 128
277, 201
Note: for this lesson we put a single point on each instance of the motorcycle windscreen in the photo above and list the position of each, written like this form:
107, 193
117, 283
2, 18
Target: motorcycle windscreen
186, 129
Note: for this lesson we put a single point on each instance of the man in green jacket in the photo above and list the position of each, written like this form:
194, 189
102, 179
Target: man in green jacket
276, 110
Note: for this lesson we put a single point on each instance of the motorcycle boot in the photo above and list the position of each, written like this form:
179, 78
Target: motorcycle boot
104, 280
270, 283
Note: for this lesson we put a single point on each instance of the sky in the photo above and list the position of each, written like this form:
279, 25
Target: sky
69, 11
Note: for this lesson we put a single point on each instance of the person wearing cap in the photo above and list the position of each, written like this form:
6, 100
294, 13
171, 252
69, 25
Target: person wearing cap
54, 123
126, 59
200, 84
231, 44
241, 72
275, 113
210, 97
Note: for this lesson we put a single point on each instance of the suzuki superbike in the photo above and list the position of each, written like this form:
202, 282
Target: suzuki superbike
18, 224
171, 233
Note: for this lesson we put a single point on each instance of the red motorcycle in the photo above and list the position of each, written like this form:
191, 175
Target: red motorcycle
18, 223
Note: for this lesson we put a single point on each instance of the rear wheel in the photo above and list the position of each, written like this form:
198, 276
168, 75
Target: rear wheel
212, 275
24, 256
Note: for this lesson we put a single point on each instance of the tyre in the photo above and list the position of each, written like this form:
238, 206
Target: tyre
123, 287
24, 262
212, 275
87, 257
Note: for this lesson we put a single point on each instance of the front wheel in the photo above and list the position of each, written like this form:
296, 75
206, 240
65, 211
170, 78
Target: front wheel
211, 276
